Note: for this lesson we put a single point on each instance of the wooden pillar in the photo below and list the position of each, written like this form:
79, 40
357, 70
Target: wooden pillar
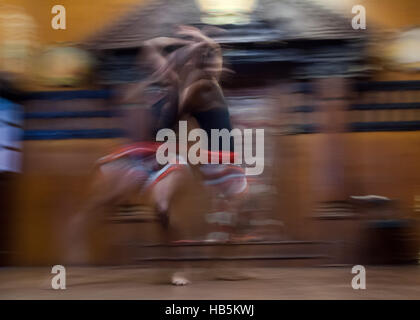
330, 183
287, 172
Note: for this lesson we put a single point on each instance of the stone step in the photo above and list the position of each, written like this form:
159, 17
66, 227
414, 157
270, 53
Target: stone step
249, 254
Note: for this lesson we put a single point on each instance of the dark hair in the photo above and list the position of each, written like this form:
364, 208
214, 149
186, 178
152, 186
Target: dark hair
200, 58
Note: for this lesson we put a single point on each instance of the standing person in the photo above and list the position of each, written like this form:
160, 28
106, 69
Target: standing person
133, 168
188, 78
202, 97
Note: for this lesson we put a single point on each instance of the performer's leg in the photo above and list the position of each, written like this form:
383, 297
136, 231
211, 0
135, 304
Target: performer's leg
110, 187
163, 192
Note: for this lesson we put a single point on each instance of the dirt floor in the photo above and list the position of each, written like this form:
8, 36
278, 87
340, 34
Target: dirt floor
267, 283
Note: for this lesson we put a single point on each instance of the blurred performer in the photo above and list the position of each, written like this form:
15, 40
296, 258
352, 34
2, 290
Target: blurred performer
197, 67
188, 78
193, 72
133, 168
202, 97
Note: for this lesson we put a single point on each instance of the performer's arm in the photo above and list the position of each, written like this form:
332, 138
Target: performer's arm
216, 51
154, 57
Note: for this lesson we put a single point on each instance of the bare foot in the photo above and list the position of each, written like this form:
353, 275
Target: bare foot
179, 280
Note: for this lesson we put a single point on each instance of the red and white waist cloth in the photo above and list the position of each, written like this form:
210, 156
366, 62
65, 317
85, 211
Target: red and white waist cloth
226, 178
